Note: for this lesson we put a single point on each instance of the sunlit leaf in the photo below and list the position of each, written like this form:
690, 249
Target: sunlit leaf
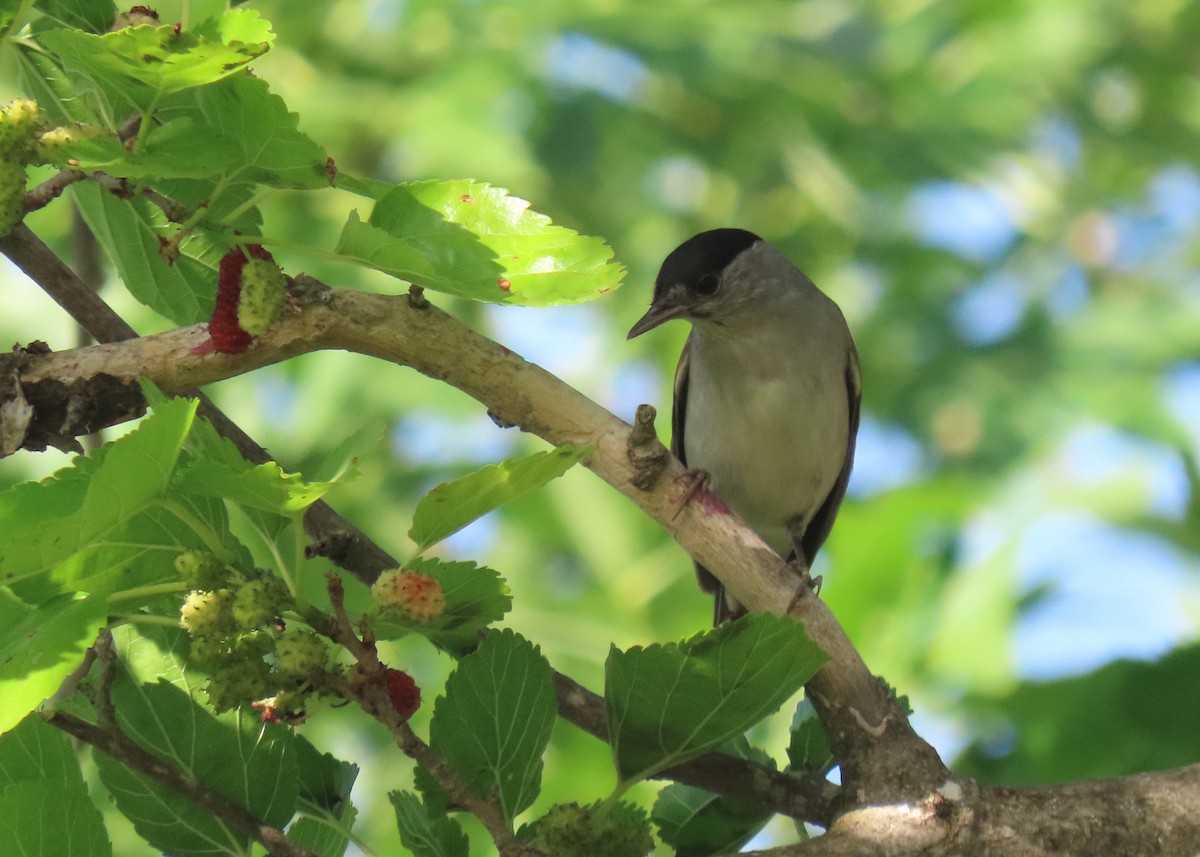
474, 240
452, 505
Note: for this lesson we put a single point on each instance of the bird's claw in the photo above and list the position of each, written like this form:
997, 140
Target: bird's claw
696, 481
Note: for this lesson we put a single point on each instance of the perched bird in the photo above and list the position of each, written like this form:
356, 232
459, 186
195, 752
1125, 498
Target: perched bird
767, 390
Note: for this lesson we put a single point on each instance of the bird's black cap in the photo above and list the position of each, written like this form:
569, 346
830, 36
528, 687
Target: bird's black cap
707, 253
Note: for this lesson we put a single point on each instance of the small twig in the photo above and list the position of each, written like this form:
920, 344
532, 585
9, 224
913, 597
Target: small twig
114, 743
106, 654
366, 687
646, 452
51, 189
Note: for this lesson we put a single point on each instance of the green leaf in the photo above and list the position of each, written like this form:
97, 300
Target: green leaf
8, 14
93, 16
129, 230
475, 598
48, 521
139, 552
47, 84
495, 720
471, 239
325, 838
424, 833
265, 487
325, 781
808, 750
452, 505
146, 63
47, 818
251, 764
34, 750
44, 804
232, 134
341, 462
697, 823
40, 647
324, 801
667, 704
153, 652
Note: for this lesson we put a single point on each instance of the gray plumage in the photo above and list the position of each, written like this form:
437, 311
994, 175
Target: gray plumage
767, 389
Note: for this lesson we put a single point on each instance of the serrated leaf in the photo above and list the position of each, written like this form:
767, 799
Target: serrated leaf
424, 833
46, 522
183, 291
46, 818
145, 63
325, 781
471, 239
452, 505
697, 823
252, 764
495, 720
41, 646
324, 801
323, 838
808, 749
667, 704
265, 487
475, 598
233, 134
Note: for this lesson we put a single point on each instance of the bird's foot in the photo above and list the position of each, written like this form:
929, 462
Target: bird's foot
809, 585
694, 482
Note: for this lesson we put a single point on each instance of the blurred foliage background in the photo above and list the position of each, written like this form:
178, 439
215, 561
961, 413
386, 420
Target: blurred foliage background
1004, 199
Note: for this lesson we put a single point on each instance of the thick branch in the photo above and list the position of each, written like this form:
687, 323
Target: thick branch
870, 735
66, 410
94, 402
116, 744
1146, 814
928, 814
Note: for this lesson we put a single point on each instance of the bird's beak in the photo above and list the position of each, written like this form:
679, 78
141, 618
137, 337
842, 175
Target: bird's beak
656, 315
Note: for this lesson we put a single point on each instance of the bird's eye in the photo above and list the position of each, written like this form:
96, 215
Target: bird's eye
707, 285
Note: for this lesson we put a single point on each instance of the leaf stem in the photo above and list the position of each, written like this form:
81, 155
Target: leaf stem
145, 619
146, 591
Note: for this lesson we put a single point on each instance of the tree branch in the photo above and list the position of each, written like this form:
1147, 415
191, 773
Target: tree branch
881, 757
67, 410
94, 402
1131, 816
366, 686
119, 746
917, 807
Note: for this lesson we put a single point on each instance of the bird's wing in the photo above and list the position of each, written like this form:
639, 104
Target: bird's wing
708, 582
679, 402
822, 522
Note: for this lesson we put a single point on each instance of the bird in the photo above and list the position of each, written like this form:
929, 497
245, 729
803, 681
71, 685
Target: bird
767, 392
